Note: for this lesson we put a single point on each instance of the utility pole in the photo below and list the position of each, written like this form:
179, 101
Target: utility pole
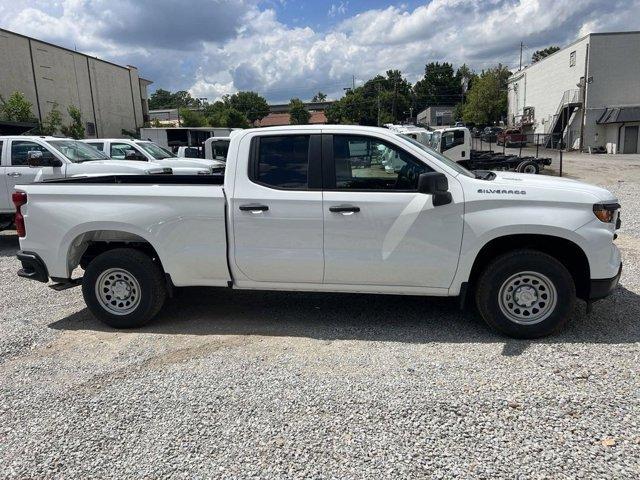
521, 47
353, 82
378, 85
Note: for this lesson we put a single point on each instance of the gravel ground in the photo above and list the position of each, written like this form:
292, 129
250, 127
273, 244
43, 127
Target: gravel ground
275, 385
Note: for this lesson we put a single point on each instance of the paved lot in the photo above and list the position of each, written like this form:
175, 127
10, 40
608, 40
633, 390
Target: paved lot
274, 385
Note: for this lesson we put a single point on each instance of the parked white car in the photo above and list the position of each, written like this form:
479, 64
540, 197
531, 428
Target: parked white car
54, 157
145, 151
299, 208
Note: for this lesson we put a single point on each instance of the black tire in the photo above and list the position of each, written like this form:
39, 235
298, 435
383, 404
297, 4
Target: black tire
498, 274
148, 275
530, 165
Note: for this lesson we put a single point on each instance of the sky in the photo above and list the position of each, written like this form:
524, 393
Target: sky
292, 48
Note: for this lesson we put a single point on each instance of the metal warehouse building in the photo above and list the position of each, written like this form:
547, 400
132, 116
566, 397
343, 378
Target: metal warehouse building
588, 93
111, 97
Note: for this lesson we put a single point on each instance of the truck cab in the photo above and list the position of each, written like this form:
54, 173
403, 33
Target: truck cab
217, 148
54, 157
146, 151
453, 142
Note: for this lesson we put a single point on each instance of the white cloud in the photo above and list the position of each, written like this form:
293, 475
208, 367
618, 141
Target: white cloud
215, 47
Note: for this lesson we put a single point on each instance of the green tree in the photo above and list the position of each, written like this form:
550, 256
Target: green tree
16, 108
52, 123
545, 52
439, 86
160, 99
165, 99
236, 119
334, 113
191, 118
76, 128
253, 106
298, 114
319, 97
487, 99
458, 112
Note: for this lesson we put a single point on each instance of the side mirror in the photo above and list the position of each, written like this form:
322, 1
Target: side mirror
36, 159
133, 155
437, 185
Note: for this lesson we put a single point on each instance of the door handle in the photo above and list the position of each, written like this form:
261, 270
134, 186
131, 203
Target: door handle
344, 209
254, 208
14, 174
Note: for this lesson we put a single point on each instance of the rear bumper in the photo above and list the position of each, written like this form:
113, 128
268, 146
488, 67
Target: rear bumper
33, 267
602, 287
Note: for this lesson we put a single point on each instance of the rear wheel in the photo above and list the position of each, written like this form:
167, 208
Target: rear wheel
528, 166
124, 288
526, 294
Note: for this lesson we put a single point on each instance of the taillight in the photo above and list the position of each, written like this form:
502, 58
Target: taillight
19, 199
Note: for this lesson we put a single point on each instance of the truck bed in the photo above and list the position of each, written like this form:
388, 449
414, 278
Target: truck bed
183, 217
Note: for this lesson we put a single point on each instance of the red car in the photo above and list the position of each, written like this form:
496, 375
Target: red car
512, 137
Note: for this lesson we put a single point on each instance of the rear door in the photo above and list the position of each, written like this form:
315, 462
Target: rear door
18, 170
277, 210
378, 230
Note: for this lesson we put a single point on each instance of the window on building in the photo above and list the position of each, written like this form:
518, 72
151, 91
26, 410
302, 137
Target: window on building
365, 163
91, 128
283, 162
572, 59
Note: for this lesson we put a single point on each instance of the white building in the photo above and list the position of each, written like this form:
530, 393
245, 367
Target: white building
110, 97
552, 95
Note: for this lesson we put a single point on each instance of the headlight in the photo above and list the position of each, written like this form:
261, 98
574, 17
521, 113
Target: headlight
606, 212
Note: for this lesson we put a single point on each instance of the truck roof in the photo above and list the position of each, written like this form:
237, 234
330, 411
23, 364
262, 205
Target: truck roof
34, 137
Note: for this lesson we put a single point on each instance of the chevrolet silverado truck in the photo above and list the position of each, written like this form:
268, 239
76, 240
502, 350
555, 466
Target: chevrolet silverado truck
292, 212
25, 159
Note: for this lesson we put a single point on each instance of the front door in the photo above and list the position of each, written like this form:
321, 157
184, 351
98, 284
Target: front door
378, 230
19, 172
631, 139
277, 211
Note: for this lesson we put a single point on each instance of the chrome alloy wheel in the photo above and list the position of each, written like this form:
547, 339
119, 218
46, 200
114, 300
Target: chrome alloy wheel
117, 291
527, 298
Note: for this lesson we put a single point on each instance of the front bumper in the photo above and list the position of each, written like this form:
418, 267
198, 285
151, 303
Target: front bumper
33, 267
602, 287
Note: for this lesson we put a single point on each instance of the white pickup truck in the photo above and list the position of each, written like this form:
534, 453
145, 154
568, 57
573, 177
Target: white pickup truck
293, 212
145, 151
25, 159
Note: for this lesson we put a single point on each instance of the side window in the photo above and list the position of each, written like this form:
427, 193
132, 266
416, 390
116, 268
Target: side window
452, 139
119, 150
20, 150
366, 163
98, 145
282, 161
572, 59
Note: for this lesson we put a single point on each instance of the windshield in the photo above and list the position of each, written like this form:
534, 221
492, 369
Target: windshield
78, 152
155, 151
447, 161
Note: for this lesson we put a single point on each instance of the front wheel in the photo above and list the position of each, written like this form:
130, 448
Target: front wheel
124, 288
526, 294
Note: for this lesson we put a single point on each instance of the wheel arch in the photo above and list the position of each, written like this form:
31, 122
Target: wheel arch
567, 252
87, 245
